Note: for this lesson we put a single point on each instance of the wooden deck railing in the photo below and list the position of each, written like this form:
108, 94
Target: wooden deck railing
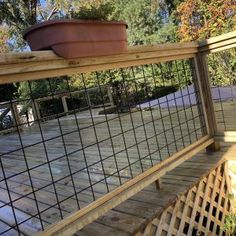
35, 105
222, 43
17, 67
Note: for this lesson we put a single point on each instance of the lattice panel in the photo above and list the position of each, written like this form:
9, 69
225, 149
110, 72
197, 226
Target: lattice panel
201, 211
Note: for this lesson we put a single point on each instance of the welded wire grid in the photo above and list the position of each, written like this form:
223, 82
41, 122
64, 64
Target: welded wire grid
136, 117
222, 73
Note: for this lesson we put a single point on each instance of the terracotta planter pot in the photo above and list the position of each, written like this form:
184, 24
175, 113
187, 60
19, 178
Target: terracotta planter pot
78, 38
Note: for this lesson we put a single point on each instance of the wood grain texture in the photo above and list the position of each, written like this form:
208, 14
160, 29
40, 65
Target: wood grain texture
201, 209
13, 159
218, 43
18, 67
38, 65
36, 154
175, 200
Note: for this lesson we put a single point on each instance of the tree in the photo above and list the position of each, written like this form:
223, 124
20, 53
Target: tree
3, 39
42, 88
149, 22
18, 15
144, 19
205, 18
7, 91
200, 19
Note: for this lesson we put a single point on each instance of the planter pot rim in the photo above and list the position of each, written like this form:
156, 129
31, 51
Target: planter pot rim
71, 21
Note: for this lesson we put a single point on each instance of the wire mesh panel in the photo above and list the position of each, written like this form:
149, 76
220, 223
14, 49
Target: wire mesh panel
74, 139
222, 75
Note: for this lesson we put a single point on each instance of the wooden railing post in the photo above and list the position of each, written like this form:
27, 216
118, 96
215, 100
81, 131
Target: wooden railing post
158, 184
36, 110
109, 93
64, 103
202, 83
16, 115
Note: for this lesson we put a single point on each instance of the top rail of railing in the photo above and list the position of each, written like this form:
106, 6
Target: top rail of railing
16, 67
218, 43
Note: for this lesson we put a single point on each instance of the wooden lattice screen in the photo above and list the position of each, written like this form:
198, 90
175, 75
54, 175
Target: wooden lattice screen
201, 211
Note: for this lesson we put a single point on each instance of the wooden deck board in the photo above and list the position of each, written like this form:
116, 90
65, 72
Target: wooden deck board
39, 148
150, 202
101, 230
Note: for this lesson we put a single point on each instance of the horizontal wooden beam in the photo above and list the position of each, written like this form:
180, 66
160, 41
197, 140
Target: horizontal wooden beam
217, 39
218, 43
218, 49
88, 214
17, 67
70, 70
21, 57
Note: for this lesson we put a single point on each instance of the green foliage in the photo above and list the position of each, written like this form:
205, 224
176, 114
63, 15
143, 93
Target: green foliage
230, 224
18, 15
22, 12
4, 35
222, 68
42, 88
167, 33
143, 23
7, 91
172, 5
96, 10
149, 22
204, 19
